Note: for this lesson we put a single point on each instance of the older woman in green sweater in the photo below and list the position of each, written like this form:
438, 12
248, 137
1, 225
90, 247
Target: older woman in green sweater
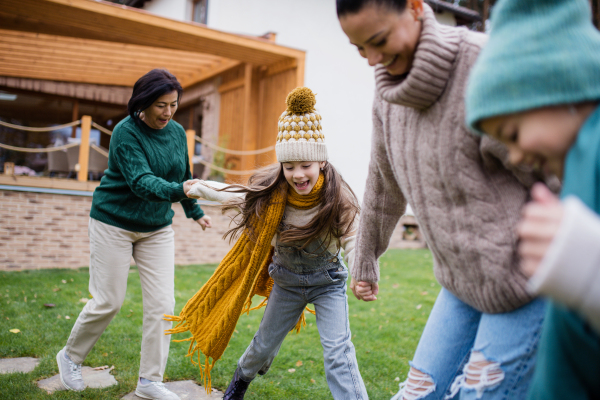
131, 215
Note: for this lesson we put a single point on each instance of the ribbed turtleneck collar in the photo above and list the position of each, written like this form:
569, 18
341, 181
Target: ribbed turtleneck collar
430, 71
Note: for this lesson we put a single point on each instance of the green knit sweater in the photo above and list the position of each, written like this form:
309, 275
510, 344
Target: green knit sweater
146, 171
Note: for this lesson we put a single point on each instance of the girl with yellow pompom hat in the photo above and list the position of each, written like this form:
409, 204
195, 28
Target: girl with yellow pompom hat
295, 216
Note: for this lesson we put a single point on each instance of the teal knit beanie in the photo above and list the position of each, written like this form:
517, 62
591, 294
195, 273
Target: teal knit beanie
540, 53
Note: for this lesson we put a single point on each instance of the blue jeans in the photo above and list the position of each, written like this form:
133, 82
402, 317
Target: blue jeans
320, 280
456, 333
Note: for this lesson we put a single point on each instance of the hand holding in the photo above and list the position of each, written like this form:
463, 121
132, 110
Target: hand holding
539, 224
366, 291
187, 185
204, 222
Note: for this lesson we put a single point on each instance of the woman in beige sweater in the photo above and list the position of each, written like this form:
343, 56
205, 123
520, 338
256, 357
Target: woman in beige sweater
481, 338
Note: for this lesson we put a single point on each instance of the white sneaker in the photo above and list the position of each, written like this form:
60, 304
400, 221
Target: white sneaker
69, 372
154, 391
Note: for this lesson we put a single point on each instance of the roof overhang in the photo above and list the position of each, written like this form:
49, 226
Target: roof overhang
99, 42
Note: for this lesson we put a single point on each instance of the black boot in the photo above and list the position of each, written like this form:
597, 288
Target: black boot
237, 388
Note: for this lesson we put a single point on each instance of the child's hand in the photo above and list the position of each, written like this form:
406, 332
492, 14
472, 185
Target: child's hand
365, 291
187, 185
539, 224
204, 222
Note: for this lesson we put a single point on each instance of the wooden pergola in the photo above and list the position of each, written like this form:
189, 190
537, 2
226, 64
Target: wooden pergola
101, 43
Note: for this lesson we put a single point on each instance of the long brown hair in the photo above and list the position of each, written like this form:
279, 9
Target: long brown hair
338, 206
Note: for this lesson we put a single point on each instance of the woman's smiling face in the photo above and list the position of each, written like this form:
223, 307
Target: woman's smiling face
385, 36
158, 115
302, 175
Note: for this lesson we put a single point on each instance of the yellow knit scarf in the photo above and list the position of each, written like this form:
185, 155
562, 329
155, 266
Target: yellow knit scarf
212, 314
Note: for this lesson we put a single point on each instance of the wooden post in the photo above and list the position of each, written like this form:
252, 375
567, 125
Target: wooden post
191, 142
485, 14
75, 117
84, 148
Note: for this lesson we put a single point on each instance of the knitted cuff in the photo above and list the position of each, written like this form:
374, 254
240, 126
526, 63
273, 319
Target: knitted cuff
366, 271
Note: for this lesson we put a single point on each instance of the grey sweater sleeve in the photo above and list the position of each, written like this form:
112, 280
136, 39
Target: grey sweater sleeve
383, 205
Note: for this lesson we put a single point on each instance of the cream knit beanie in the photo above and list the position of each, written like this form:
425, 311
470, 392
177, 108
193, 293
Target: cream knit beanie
300, 136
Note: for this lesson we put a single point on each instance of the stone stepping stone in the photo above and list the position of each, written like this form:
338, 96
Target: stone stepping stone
187, 390
21, 364
93, 378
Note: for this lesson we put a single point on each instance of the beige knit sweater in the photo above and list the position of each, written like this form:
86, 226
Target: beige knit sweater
466, 200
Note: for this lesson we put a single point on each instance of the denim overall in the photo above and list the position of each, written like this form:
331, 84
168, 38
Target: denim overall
303, 276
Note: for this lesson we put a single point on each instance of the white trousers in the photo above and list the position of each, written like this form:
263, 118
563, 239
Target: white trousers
111, 249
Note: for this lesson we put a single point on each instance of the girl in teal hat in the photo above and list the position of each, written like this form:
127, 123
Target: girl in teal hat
536, 88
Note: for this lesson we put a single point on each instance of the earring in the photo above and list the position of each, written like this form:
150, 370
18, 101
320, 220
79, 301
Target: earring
572, 110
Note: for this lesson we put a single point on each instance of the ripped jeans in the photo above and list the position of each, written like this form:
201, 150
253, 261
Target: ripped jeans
466, 354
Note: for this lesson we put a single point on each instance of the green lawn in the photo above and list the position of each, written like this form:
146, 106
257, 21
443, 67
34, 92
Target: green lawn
385, 333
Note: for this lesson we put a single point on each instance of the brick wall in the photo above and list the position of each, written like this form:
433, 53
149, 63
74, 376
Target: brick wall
41, 230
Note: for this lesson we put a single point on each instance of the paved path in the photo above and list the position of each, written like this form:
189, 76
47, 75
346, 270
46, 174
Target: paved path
21, 364
187, 390
94, 378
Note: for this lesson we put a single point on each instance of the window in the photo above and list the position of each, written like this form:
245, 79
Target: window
200, 11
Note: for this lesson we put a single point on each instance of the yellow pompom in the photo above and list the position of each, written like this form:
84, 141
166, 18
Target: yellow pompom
301, 100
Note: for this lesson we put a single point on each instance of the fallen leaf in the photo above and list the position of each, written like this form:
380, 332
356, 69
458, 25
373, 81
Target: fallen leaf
236, 331
424, 293
396, 285
292, 370
83, 300
15, 331
299, 363
418, 307
397, 379
100, 368
380, 326
58, 316
104, 354
67, 317
49, 305
56, 289
72, 280
64, 281
313, 381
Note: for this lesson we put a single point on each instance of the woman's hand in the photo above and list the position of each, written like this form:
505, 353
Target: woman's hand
204, 222
539, 224
187, 185
365, 291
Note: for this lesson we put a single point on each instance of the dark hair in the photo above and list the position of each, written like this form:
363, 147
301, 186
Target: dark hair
149, 88
344, 7
334, 220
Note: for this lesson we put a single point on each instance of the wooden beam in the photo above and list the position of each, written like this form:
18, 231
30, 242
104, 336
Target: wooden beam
84, 148
300, 73
104, 21
281, 66
191, 142
211, 73
226, 87
75, 117
48, 183
89, 59
65, 45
